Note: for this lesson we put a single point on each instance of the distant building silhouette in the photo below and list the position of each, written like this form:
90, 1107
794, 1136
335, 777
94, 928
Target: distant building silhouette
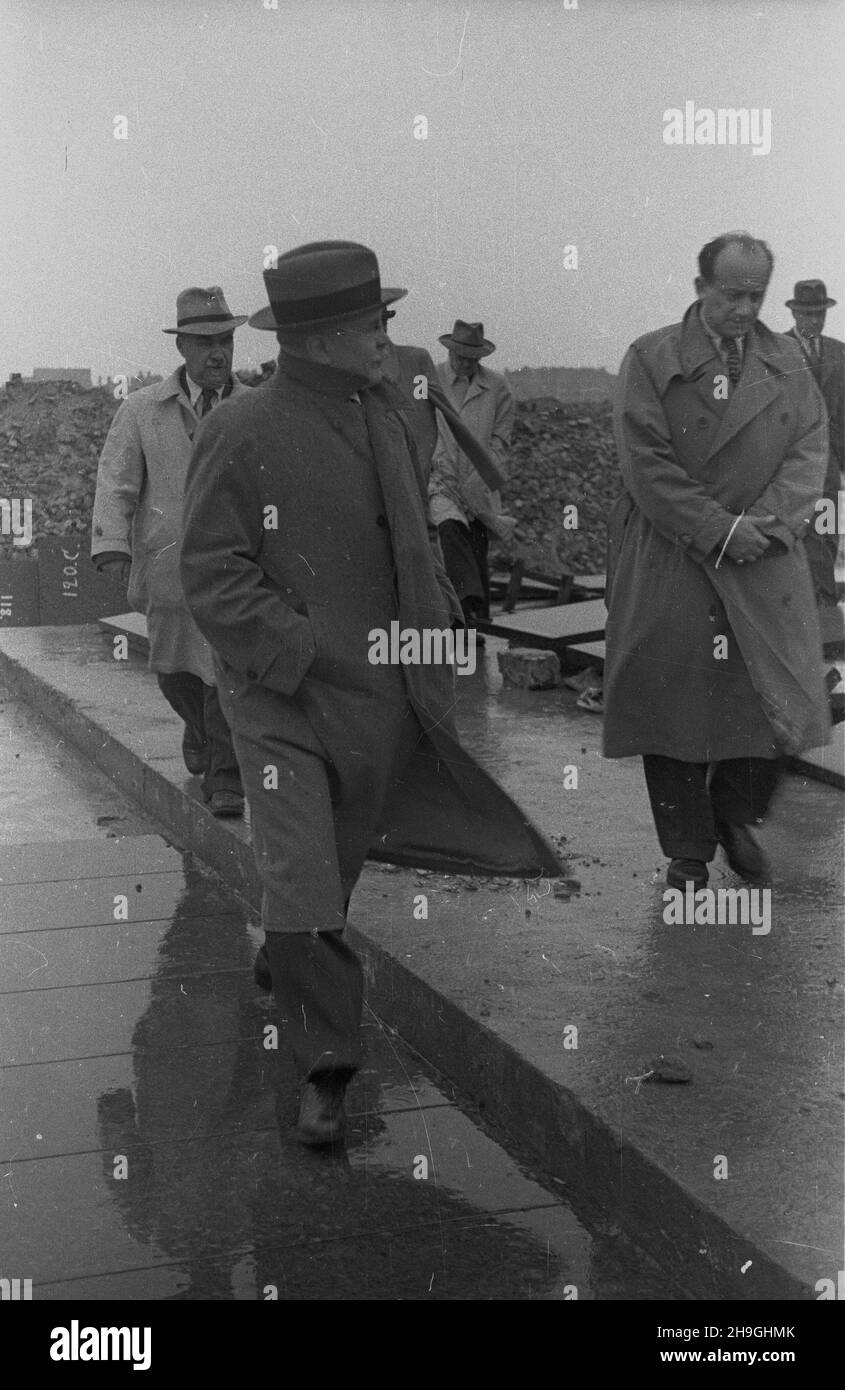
81, 375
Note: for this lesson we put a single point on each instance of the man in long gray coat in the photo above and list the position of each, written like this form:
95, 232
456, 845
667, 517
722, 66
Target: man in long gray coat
714, 658
137, 526
306, 534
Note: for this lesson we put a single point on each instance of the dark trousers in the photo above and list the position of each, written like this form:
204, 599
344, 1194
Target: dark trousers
198, 705
688, 800
318, 984
821, 557
465, 557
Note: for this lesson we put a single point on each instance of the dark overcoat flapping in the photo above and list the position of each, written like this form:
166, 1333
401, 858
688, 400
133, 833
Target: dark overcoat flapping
690, 463
280, 530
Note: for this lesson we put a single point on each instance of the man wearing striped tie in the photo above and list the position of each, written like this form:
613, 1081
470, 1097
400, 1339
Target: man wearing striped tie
137, 529
714, 657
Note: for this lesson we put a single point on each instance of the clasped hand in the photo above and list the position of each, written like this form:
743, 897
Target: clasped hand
749, 541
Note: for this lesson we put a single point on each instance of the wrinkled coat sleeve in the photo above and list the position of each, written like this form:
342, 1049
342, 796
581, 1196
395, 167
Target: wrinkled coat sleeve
251, 627
792, 494
120, 480
676, 505
500, 437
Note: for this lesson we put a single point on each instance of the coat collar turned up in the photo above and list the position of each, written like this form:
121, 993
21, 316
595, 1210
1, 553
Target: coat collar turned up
685, 350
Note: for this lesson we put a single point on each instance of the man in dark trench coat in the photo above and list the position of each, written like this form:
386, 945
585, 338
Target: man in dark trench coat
306, 529
714, 657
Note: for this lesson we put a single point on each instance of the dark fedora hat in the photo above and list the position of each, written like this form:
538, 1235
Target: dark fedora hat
321, 282
204, 312
468, 339
810, 294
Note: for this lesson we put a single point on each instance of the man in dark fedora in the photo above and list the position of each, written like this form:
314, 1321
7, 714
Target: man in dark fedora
825, 358
306, 528
463, 506
137, 528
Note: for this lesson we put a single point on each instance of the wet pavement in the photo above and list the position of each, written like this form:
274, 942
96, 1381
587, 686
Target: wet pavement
140, 1156
551, 1007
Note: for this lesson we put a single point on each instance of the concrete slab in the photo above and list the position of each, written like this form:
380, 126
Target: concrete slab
551, 627
490, 985
154, 1167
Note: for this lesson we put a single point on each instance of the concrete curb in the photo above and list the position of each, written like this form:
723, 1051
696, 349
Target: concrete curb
607, 1174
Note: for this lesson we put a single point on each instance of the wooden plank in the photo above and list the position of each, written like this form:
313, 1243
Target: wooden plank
551, 627
595, 583
825, 764
594, 650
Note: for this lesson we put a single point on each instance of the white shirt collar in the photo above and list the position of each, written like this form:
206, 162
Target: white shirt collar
195, 392
717, 341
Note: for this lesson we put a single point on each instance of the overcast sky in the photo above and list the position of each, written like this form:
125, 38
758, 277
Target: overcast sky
251, 127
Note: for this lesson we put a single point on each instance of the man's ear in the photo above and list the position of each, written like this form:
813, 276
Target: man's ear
179, 345
700, 285
316, 347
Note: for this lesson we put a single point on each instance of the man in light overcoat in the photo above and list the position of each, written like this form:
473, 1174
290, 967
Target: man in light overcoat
714, 661
464, 506
306, 530
137, 527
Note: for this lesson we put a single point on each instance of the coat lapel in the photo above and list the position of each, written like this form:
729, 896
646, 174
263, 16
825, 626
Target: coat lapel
757, 389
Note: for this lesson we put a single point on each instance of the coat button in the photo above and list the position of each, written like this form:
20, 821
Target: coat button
252, 675
381, 520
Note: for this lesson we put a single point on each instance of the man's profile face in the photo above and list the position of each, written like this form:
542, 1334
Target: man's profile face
358, 346
462, 365
208, 357
732, 301
809, 322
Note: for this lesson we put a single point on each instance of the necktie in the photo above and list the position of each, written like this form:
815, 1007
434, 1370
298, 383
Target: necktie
208, 398
734, 365
814, 349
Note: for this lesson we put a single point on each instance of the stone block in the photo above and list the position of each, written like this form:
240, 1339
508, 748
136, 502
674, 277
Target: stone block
529, 667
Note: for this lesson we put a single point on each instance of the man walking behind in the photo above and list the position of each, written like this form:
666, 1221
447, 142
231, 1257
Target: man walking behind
714, 659
306, 528
138, 521
825, 358
463, 507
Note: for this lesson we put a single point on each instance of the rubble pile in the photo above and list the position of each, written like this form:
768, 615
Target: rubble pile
51, 434
562, 455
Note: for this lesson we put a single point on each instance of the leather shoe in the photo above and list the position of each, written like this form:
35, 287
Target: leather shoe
322, 1118
223, 803
261, 970
745, 856
681, 871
